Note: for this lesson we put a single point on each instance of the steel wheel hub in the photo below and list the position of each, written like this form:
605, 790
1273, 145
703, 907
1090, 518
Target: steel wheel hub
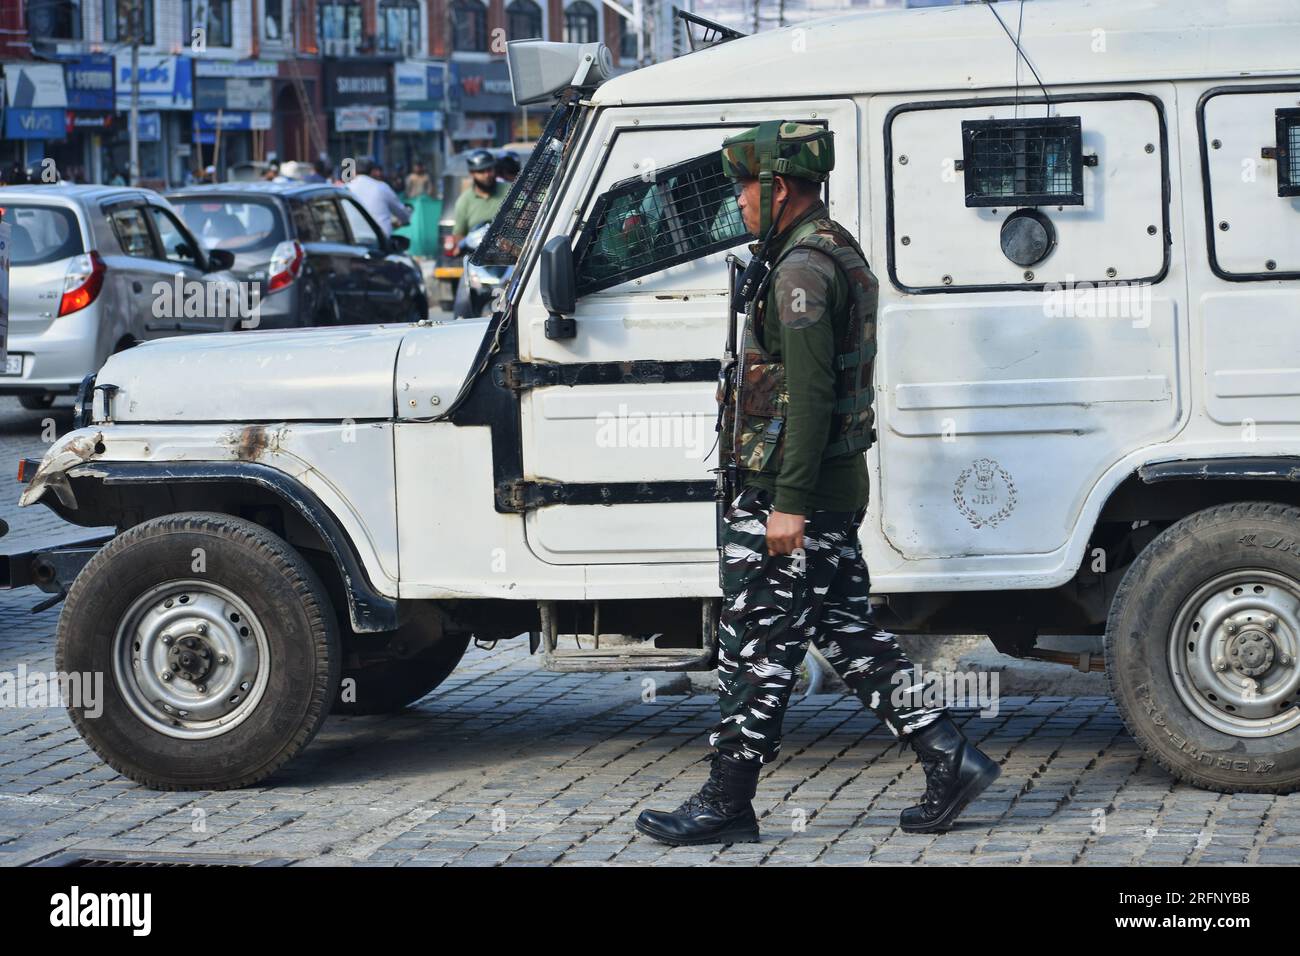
1233, 649
191, 659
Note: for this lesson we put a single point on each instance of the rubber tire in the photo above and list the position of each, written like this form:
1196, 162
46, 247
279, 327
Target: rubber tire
36, 403
279, 586
388, 686
1175, 563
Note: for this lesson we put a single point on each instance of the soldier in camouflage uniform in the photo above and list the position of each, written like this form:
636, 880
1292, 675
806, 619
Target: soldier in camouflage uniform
792, 565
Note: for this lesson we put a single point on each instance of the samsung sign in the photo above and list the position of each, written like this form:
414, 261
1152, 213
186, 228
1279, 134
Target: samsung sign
351, 83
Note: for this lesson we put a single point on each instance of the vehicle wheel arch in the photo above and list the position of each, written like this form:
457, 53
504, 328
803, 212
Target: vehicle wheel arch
124, 494
1159, 493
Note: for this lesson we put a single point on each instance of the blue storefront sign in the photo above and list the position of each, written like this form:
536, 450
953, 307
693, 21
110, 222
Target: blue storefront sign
23, 123
417, 121
89, 80
150, 128
419, 86
166, 82
231, 120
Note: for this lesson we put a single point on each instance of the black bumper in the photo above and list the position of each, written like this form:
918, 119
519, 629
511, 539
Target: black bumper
50, 569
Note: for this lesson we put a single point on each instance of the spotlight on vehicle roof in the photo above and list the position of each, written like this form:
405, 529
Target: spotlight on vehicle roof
539, 69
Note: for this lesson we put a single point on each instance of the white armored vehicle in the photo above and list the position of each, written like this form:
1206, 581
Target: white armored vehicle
1087, 412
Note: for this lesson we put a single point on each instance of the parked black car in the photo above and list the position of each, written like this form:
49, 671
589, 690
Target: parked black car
317, 255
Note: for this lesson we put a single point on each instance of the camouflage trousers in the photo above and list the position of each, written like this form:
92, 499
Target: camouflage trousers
773, 605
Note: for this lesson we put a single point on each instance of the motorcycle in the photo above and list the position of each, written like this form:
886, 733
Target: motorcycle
478, 284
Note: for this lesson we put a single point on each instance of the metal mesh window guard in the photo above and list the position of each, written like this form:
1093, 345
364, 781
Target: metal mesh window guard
514, 221
1027, 162
1288, 152
640, 226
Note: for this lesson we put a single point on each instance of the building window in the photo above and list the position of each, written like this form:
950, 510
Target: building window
338, 26
277, 20
580, 24
523, 20
399, 26
54, 19
213, 17
117, 21
626, 42
469, 26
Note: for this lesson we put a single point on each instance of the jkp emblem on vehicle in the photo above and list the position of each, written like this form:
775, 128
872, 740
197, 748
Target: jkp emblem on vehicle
984, 493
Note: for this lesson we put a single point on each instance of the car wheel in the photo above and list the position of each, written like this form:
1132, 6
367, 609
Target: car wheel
36, 403
218, 650
1203, 648
386, 686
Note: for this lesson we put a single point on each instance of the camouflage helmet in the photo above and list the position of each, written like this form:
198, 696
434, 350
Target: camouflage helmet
797, 149
778, 148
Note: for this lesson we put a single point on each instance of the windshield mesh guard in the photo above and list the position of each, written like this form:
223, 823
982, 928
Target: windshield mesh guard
514, 221
642, 225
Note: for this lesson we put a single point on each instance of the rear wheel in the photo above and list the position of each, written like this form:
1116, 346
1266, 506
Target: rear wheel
384, 673
1203, 648
217, 646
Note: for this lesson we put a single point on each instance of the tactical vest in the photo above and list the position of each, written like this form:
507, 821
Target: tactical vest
761, 394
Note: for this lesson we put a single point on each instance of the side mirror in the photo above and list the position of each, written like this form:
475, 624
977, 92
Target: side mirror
220, 259
399, 243
558, 287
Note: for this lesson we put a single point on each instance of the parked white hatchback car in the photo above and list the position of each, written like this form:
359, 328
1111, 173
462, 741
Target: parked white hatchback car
86, 265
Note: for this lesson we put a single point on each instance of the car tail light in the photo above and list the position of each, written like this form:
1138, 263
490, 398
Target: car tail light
286, 263
82, 282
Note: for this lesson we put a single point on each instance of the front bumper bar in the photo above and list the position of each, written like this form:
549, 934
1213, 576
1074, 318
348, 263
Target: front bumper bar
50, 569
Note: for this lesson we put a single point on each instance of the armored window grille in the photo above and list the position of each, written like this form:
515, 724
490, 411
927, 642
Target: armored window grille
1288, 152
514, 220
1024, 162
642, 225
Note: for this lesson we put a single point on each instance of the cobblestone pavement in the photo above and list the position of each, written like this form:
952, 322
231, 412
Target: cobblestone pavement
508, 764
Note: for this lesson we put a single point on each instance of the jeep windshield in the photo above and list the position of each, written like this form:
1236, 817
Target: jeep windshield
514, 221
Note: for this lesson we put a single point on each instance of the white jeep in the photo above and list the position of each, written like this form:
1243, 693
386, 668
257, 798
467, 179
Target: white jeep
1088, 399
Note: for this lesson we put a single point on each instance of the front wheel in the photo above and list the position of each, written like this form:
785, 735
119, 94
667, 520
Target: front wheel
217, 649
1203, 648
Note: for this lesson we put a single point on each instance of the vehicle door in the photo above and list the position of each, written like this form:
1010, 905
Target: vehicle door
211, 300
1032, 326
651, 233
388, 281
342, 263
132, 269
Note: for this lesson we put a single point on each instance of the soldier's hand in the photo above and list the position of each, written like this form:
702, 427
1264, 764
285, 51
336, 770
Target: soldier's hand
784, 532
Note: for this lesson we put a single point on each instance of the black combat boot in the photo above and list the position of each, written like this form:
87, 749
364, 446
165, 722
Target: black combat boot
720, 813
955, 774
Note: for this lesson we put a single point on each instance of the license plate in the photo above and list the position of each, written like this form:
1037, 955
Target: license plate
13, 365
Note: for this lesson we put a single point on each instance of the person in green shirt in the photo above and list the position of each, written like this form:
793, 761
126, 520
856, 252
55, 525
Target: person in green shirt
479, 203
792, 565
